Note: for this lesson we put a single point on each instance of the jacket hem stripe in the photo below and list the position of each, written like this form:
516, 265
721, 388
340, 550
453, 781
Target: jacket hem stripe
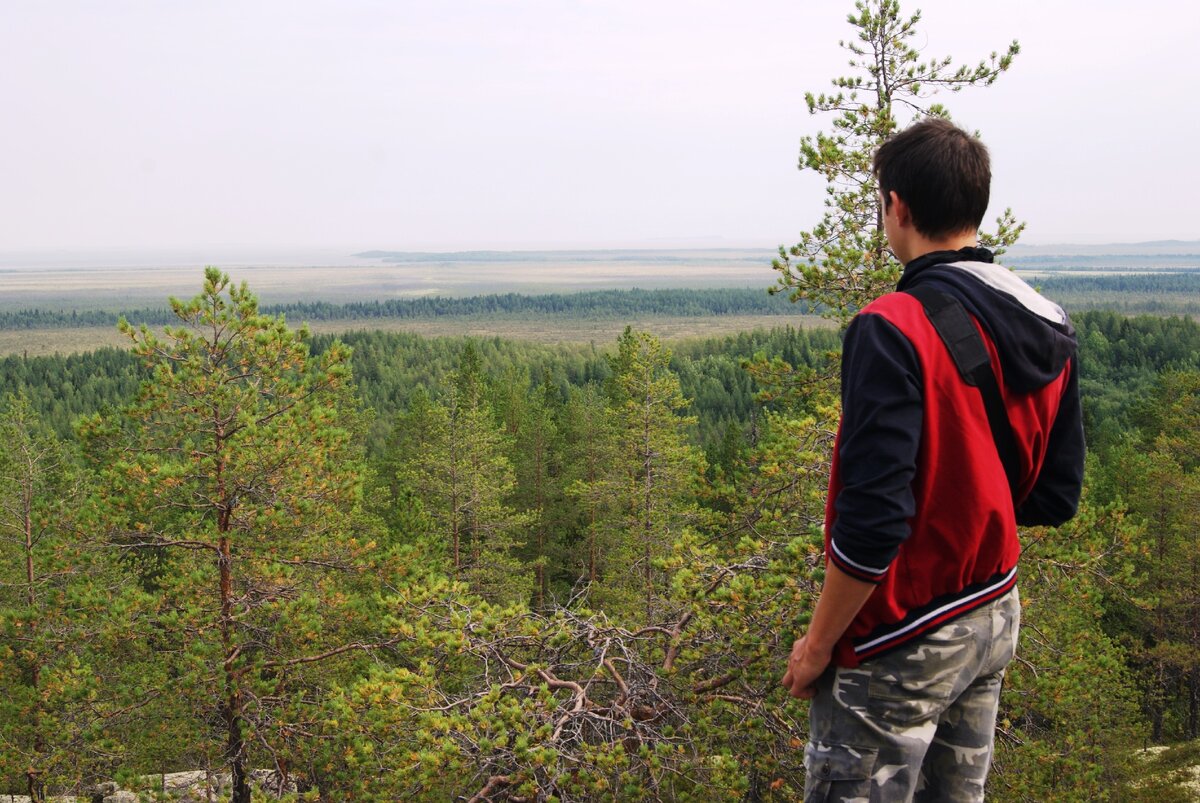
960, 605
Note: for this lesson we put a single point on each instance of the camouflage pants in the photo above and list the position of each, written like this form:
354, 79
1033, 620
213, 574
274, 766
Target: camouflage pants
919, 720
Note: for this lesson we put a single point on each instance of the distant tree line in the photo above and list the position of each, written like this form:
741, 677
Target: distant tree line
608, 304
1171, 293
1141, 283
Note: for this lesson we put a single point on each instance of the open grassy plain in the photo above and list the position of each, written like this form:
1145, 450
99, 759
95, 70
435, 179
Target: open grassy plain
135, 281
549, 329
128, 282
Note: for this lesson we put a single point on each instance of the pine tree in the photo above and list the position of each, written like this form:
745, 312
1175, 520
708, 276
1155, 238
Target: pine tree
843, 262
239, 463
590, 480
1155, 476
458, 466
389, 494
657, 474
1068, 725
47, 598
536, 459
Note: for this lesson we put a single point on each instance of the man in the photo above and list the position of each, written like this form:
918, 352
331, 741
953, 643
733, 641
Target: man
918, 616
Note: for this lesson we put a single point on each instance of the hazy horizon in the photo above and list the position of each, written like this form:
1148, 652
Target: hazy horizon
535, 123
235, 256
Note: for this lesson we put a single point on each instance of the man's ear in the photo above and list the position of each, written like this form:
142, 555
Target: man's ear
900, 209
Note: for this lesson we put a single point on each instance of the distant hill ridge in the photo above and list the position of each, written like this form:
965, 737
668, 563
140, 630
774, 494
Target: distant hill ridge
1143, 248
678, 256
1147, 248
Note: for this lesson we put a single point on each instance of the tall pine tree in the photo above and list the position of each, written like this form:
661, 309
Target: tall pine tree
457, 464
239, 465
51, 605
843, 262
657, 473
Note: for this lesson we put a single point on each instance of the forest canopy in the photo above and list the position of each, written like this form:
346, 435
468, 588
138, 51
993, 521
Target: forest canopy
390, 567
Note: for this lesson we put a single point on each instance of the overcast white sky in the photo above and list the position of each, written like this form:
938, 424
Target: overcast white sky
551, 123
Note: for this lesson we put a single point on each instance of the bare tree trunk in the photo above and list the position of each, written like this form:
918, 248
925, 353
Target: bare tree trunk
455, 527
648, 523
235, 746
592, 545
37, 789
539, 501
1193, 705
1156, 709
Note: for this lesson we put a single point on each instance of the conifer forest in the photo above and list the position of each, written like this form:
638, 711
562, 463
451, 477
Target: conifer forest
396, 568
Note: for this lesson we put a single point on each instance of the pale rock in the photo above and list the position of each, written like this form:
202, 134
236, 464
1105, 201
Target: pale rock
121, 796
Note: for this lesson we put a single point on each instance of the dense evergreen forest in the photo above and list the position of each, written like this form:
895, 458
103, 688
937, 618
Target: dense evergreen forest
591, 304
1122, 359
397, 568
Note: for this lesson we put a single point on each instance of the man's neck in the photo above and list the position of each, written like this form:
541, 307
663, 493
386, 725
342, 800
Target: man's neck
919, 245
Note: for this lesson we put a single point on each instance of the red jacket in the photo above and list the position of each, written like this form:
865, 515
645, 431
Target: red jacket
918, 500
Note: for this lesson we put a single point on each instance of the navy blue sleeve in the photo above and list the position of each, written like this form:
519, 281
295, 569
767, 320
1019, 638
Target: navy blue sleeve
1055, 495
882, 415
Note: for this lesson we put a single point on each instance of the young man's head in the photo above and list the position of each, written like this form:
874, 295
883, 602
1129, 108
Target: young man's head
940, 173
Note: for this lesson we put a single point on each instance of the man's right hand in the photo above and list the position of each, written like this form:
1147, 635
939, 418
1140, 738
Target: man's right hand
805, 665
841, 598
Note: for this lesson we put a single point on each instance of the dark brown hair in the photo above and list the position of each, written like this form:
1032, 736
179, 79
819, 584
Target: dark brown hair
941, 172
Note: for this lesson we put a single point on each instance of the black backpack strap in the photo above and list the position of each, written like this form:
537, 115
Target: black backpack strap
958, 332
